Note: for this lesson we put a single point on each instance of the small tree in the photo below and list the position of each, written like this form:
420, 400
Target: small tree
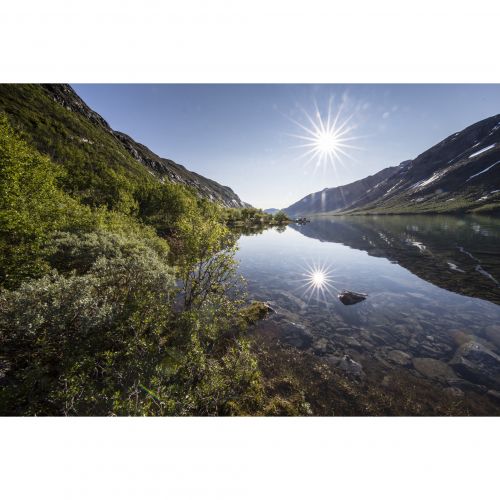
281, 217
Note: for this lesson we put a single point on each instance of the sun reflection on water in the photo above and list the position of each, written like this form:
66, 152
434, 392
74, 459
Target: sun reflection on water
317, 282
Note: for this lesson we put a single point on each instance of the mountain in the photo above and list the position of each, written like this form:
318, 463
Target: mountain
338, 198
459, 174
58, 122
271, 211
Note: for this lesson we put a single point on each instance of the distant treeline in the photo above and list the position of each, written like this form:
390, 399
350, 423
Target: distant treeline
253, 217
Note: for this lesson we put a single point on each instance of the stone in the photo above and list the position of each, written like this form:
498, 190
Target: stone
465, 385
297, 335
493, 334
347, 365
478, 364
399, 357
352, 342
454, 392
433, 368
429, 350
460, 337
494, 395
350, 298
320, 345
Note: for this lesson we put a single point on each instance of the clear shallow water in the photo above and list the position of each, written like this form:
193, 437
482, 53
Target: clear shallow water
432, 284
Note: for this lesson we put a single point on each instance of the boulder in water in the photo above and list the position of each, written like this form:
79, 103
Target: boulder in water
478, 364
349, 298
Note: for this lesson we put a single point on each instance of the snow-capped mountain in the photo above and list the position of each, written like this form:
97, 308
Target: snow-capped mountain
461, 173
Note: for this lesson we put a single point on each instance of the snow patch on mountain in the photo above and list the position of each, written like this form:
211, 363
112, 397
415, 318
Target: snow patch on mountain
481, 151
482, 171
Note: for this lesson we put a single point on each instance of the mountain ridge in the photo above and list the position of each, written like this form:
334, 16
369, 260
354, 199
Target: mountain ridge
458, 174
161, 168
336, 198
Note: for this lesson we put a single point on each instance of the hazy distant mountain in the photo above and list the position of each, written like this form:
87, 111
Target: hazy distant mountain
461, 173
271, 211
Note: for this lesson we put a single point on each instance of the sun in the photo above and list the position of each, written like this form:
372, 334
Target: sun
327, 142
327, 138
317, 281
318, 278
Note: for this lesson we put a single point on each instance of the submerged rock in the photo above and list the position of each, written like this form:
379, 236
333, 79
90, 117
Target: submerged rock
478, 364
433, 368
297, 335
320, 345
493, 333
349, 298
494, 395
347, 365
399, 357
465, 385
454, 392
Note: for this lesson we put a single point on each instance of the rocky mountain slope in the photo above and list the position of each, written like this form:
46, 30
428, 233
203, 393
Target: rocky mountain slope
28, 107
338, 198
459, 174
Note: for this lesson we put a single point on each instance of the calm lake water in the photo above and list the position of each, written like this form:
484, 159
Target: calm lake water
432, 285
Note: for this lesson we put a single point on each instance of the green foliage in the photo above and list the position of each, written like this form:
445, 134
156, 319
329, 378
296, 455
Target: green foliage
78, 252
253, 217
281, 217
76, 342
165, 205
94, 322
108, 340
119, 294
31, 207
254, 312
100, 170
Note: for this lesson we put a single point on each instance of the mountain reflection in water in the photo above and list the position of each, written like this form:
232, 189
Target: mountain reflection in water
460, 254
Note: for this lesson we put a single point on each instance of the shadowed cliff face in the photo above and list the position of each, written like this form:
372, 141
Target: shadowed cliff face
461, 255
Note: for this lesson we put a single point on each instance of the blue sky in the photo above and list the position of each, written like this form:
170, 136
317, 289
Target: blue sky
244, 136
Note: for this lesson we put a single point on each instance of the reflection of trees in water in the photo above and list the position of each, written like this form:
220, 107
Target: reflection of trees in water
253, 230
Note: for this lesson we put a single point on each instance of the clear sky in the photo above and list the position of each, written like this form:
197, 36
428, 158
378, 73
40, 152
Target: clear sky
245, 136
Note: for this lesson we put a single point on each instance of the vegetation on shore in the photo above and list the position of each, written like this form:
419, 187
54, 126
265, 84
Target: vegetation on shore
117, 300
254, 218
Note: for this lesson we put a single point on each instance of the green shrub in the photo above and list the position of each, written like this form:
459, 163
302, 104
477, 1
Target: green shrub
31, 207
75, 343
118, 294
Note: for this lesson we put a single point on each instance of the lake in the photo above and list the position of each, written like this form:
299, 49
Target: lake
432, 286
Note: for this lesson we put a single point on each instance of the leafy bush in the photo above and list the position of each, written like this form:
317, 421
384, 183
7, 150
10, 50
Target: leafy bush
108, 339
78, 252
76, 343
280, 217
118, 294
31, 207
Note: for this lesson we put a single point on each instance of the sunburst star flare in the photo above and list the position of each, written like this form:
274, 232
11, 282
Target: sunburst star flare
326, 139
